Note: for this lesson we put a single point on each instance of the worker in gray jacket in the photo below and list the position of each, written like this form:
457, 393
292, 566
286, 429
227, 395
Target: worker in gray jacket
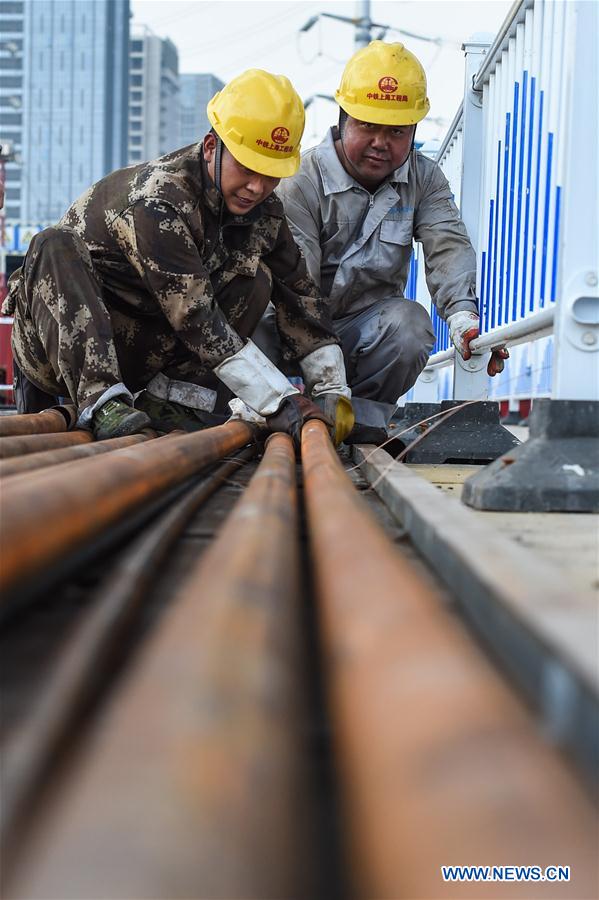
358, 201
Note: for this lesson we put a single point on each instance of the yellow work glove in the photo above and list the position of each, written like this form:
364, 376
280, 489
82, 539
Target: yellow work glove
339, 412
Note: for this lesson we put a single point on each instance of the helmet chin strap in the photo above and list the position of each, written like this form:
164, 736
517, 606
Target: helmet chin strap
218, 155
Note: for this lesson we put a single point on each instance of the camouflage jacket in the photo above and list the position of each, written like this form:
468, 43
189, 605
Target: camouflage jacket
160, 244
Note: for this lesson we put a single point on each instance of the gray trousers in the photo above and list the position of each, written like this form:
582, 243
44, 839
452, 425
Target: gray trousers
385, 347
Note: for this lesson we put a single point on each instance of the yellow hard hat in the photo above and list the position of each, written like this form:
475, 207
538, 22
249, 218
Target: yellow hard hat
260, 120
385, 84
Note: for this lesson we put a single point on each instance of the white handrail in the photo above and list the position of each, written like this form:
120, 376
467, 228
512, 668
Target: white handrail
455, 125
515, 16
537, 326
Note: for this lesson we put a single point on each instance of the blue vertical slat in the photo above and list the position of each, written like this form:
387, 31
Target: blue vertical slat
495, 240
520, 180
483, 305
510, 232
489, 248
558, 197
546, 215
531, 119
535, 221
415, 278
504, 199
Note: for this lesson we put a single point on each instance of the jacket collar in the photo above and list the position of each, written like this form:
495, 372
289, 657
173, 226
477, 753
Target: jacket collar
334, 177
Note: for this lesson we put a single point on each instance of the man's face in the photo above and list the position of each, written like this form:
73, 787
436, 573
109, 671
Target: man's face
374, 151
241, 188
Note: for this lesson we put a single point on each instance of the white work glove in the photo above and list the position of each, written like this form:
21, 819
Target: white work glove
325, 380
465, 327
240, 410
255, 380
324, 372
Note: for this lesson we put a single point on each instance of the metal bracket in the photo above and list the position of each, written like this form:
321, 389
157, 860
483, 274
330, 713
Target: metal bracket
476, 363
581, 300
428, 375
475, 95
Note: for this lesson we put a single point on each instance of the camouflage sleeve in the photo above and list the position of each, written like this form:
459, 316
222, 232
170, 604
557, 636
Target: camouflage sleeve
303, 316
170, 264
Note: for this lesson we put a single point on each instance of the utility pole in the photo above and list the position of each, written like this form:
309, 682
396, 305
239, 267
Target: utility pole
363, 24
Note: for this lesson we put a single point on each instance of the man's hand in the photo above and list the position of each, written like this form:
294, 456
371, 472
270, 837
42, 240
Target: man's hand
465, 327
292, 414
338, 410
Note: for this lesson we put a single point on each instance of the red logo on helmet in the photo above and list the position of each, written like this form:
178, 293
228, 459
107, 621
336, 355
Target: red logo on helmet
280, 134
388, 84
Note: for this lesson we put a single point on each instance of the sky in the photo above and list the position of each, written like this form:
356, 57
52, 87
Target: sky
226, 37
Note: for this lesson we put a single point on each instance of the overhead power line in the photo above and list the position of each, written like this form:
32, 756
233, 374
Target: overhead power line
364, 27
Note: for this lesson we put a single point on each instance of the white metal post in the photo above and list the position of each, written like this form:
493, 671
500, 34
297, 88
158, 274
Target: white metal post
426, 388
470, 380
576, 352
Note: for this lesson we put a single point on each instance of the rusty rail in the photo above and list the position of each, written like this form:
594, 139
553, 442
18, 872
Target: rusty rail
48, 422
55, 512
89, 656
18, 465
192, 785
438, 762
20, 445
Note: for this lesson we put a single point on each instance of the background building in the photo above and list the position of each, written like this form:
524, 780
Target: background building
196, 91
75, 100
11, 100
153, 96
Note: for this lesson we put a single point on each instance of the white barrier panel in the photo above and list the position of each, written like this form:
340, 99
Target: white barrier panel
534, 186
525, 124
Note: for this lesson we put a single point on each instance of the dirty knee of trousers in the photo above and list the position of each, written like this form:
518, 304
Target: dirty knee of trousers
386, 347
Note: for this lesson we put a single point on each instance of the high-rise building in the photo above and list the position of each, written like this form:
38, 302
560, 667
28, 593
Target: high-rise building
11, 101
196, 91
153, 96
75, 100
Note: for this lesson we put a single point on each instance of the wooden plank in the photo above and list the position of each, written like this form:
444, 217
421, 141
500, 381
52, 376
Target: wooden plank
443, 474
544, 632
567, 540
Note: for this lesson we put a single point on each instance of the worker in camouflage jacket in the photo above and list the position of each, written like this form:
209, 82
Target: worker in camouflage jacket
156, 277
358, 201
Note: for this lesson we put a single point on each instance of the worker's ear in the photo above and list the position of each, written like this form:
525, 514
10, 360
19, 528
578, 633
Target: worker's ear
209, 147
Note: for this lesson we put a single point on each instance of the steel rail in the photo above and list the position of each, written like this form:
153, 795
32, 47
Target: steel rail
19, 465
48, 422
19, 445
193, 778
53, 513
437, 760
89, 656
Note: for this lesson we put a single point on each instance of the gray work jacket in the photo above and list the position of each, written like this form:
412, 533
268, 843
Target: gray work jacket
358, 245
